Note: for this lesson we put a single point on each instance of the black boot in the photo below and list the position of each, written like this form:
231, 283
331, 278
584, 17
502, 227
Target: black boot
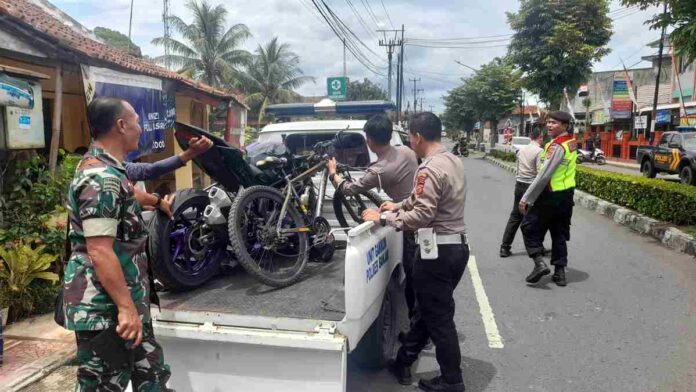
401, 372
559, 276
540, 269
505, 251
439, 384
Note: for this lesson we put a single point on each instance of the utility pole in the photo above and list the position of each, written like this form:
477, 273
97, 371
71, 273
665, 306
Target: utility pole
167, 31
130, 26
657, 79
390, 44
400, 83
421, 108
415, 91
345, 74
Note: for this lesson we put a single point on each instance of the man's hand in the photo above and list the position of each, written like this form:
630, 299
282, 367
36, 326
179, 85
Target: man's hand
166, 205
197, 146
522, 207
129, 325
370, 215
331, 165
387, 206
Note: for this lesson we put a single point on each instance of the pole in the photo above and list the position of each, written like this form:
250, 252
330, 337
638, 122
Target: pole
523, 124
130, 25
657, 78
389, 81
398, 88
57, 117
401, 73
415, 91
345, 74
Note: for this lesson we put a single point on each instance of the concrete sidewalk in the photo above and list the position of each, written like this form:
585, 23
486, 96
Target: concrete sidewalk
626, 165
34, 348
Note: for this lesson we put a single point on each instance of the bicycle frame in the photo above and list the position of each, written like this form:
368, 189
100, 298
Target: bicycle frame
290, 192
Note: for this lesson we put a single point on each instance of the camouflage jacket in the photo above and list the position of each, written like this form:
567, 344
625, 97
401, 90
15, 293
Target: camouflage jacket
101, 202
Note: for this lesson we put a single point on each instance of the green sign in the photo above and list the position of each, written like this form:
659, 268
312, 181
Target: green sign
336, 87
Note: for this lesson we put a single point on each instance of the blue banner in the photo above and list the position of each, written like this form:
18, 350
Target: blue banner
663, 117
153, 100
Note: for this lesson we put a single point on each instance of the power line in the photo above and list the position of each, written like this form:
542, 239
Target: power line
366, 4
460, 38
387, 13
457, 47
361, 20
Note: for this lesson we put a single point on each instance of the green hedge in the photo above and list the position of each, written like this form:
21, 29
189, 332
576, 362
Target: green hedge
503, 156
663, 200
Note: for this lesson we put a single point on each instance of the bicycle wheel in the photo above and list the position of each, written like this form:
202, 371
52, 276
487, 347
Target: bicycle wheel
275, 259
354, 205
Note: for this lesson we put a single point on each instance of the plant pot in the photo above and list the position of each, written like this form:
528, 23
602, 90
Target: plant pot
5, 314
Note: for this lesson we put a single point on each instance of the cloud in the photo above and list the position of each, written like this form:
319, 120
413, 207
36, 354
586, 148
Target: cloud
296, 22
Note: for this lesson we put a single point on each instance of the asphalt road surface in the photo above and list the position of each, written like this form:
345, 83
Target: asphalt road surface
625, 322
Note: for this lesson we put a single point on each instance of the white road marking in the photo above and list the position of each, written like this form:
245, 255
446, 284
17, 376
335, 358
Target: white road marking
494, 339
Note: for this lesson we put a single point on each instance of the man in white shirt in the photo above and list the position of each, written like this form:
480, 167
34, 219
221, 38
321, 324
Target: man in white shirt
528, 165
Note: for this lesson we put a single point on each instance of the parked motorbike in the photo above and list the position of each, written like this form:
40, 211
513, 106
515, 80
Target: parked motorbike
460, 149
586, 156
188, 250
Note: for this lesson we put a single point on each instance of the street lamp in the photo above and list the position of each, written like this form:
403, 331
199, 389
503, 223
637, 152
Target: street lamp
464, 65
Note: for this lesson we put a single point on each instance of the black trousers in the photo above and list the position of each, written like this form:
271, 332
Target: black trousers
409, 258
434, 282
515, 216
552, 212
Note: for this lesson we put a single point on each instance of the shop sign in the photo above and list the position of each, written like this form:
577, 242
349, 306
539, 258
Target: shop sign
690, 119
621, 105
153, 99
640, 122
663, 117
599, 117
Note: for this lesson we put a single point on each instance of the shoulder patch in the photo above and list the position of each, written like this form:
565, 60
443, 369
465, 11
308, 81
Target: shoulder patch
111, 185
572, 145
420, 182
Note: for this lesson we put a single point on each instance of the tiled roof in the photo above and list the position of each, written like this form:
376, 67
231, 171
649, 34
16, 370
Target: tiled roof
35, 18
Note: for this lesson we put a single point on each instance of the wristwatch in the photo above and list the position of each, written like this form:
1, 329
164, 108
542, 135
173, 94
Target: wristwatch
383, 219
159, 199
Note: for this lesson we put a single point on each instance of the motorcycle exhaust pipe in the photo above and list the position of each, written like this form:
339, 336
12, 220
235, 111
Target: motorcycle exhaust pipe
219, 199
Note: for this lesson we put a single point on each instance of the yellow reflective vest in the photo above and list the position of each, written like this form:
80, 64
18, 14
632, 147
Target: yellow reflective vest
563, 177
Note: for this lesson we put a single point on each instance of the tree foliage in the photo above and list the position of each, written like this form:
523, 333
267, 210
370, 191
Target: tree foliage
117, 40
490, 93
272, 76
365, 90
555, 43
208, 52
681, 14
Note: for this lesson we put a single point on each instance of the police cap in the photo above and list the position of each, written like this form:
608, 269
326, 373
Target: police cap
561, 116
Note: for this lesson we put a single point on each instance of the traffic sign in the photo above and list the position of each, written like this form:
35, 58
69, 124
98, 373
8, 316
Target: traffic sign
336, 87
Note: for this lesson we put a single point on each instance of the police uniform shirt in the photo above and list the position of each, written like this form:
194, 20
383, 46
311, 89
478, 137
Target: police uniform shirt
393, 172
437, 198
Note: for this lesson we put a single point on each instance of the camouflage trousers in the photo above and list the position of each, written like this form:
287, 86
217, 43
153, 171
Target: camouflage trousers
149, 372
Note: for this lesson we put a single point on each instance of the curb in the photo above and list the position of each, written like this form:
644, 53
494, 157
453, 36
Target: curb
625, 165
670, 237
37, 370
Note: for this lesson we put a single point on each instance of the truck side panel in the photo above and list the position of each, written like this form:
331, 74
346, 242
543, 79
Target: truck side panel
372, 255
212, 358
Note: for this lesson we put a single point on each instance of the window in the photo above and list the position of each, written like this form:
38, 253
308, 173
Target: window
690, 142
664, 141
676, 139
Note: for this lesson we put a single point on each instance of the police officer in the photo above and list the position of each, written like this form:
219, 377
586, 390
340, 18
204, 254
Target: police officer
435, 209
548, 202
106, 284
393, 172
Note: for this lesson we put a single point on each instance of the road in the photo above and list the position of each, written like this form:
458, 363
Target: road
625, 322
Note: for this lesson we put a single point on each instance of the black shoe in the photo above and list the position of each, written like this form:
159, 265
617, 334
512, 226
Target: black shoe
546, 252
540, 269
401, 372
439, 384
505, 251
559, 276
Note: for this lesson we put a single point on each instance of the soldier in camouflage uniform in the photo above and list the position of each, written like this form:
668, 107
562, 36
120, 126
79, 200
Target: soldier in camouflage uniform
106, 278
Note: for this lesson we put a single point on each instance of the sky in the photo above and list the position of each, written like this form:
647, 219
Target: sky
297, 23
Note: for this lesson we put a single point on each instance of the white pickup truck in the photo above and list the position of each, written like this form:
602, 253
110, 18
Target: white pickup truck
237, 334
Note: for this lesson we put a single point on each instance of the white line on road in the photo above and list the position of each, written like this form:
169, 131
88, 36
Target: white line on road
494, 339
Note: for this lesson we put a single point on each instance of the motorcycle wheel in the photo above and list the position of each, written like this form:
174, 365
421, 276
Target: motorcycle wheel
465, 153
354, 205
580, 159
184, 252
601, 160
275, 260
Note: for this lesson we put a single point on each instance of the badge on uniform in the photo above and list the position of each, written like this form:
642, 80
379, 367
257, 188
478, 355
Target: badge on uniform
427, 241
420, 183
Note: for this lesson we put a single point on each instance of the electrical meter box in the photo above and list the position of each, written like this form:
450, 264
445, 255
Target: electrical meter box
23, 127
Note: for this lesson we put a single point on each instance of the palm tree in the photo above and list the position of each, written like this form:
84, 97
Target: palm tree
272, 76
209, 53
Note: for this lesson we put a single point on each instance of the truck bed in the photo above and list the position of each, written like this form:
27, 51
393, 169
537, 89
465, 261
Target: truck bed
319, 296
